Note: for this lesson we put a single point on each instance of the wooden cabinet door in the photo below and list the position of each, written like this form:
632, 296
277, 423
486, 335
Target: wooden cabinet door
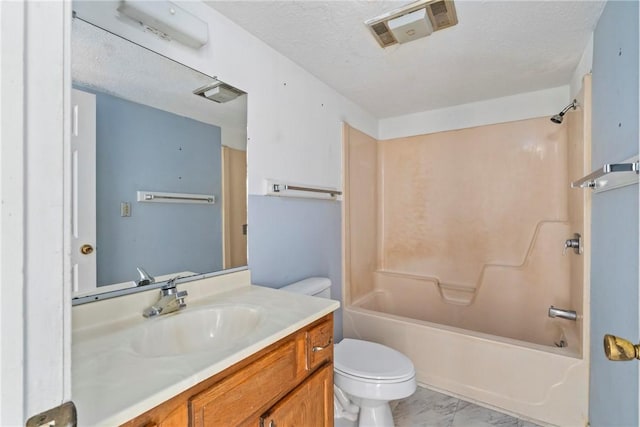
162, 416
308, 405
239, 396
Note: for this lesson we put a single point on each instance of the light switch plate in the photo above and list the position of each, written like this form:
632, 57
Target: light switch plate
125, 209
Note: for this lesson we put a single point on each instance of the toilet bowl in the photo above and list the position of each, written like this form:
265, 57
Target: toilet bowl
370, 374
373, 374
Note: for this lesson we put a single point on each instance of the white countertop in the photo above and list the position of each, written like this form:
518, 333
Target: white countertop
112, 384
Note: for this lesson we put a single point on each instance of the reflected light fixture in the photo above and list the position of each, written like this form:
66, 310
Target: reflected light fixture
219, 92
167, 20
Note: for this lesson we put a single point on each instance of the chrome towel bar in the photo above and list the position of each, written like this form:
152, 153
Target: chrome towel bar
281, 187
155, 196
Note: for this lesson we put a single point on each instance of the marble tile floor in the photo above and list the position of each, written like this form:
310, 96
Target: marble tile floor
427, 408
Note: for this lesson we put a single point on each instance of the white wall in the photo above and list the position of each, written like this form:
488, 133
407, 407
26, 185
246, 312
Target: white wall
294, 120
499, 110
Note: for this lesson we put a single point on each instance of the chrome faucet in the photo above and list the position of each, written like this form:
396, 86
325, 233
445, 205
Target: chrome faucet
145, 278
170, 300
562, 313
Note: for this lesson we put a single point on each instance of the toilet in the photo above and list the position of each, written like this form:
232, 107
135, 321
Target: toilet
368, 374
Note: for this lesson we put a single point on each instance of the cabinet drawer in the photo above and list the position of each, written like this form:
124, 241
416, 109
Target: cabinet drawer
237, 397
319, 344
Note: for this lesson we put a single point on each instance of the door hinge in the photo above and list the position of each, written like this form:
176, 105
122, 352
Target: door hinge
64, 415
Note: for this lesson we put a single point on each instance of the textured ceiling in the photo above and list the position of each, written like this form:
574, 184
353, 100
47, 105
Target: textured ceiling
108, 63
498, 48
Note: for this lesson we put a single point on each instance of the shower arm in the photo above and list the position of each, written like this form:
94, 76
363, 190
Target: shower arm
573, 105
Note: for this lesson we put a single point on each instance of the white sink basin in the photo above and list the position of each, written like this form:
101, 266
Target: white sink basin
209, 328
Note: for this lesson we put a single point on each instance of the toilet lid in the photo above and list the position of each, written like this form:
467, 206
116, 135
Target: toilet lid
371, 360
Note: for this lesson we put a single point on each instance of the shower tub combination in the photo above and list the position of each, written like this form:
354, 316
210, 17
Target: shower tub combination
457, 266
543, 383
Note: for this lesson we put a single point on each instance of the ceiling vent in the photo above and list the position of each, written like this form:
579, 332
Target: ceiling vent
414, 21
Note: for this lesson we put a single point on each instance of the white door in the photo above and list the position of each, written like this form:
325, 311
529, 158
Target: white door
35, 297
83, 190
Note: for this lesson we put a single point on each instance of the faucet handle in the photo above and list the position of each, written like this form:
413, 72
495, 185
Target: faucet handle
170, 285
180, 296
575, 244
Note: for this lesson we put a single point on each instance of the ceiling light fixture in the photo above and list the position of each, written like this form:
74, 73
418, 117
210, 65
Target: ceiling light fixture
413, 21
168, 21
411, 26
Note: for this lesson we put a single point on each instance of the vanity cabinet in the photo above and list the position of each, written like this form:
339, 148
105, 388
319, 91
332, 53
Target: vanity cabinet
288, 383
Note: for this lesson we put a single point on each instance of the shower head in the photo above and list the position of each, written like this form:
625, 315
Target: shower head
560, 116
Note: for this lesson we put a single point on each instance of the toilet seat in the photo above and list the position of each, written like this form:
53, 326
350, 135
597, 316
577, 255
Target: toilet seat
371, 362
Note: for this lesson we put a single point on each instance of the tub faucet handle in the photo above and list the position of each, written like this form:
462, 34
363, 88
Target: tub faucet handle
575, 244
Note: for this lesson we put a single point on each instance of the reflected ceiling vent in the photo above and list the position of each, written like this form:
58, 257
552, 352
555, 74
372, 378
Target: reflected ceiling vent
413, 21
219, 92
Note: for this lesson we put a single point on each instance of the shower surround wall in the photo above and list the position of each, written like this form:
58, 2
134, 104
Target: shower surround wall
454, 253
479, 216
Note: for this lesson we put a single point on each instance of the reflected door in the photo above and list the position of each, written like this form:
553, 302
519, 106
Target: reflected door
234, 198
83, 176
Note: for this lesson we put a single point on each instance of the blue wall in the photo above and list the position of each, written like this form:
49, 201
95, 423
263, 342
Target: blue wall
614, 394
142, 148
291, 239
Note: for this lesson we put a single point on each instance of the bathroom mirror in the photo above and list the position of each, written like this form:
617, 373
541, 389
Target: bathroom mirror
159, 172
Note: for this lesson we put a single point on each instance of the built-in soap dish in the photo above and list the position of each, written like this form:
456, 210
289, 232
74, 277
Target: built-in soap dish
456, 294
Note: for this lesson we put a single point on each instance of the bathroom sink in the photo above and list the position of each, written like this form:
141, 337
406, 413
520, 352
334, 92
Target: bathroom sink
209, 328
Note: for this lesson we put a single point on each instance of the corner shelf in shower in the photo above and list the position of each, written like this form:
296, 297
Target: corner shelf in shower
611, 176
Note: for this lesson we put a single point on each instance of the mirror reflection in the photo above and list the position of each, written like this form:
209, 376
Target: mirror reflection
159, 166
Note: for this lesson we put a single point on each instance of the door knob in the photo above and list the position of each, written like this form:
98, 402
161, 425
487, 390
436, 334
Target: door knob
619, 349
86, 249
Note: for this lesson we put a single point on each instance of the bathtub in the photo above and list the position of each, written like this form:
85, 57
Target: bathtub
531, 378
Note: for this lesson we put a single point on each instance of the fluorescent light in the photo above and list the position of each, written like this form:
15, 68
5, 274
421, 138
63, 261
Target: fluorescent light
167, 18
411, 26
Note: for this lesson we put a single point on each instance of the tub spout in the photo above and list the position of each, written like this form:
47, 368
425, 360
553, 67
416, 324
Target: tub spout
562, 313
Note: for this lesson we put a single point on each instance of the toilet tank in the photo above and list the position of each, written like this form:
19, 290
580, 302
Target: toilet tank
314, 286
